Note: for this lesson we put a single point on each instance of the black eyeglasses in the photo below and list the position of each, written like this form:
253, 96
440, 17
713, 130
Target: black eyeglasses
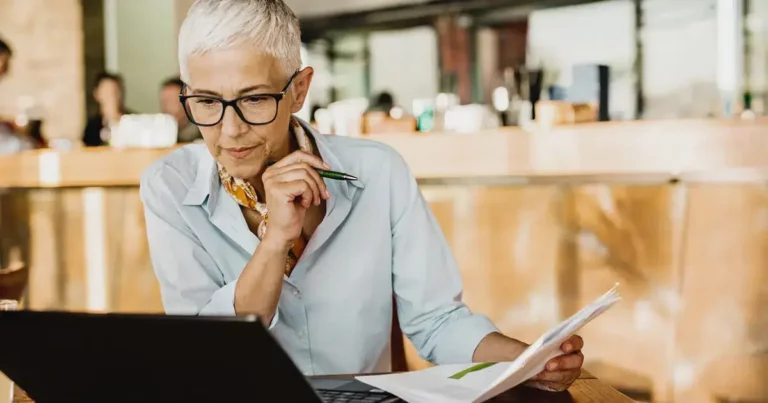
254, 109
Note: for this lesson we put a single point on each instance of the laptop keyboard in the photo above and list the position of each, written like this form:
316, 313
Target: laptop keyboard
335, 396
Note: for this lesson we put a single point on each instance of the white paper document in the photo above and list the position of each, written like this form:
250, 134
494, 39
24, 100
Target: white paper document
439, 383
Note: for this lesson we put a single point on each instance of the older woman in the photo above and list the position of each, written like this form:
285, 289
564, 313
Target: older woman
245, 225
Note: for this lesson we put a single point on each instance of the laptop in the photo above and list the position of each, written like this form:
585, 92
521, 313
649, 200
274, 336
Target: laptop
87, 357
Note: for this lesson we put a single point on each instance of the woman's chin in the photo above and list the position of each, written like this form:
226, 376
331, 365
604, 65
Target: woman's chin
244, 169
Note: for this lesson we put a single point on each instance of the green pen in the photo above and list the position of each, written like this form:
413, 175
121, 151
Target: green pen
336, 175
340, 176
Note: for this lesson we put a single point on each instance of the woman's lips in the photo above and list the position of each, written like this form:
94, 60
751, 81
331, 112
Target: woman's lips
240, 152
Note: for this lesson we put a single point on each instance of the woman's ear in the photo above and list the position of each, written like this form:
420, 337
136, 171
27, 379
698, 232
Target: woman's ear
301, 88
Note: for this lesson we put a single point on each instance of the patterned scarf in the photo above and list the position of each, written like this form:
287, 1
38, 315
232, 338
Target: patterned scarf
245, 195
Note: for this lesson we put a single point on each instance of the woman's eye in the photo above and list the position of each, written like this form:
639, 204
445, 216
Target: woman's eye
254, 100
205, 102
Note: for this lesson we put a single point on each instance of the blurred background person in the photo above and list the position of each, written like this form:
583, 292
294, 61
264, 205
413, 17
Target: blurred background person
10, 141
384, 115
5, 58
5, 63
109, 93
170, 104
382, 102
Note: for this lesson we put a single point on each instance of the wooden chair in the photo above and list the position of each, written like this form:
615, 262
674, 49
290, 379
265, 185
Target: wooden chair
13, 281
399, 363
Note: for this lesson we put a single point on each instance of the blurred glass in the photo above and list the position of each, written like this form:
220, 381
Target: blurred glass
8, 305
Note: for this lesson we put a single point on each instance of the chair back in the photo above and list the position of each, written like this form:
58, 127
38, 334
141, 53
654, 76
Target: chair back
13, 281
397, 346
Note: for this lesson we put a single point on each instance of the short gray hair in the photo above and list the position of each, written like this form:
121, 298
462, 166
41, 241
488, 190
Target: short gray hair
269, 26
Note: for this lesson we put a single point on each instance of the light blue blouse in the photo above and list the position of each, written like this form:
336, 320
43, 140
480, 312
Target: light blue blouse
335, 310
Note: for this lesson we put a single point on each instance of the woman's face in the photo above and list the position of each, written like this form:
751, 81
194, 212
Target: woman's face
5, 63
245, 149
108, 94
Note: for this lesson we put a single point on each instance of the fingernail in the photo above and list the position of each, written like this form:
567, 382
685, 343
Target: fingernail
568, 347
327, 194
552, 366
325, 164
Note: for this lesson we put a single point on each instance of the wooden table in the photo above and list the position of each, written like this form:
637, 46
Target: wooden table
586, 389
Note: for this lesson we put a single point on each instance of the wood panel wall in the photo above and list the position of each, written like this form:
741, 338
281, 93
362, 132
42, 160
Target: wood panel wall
47, 40
690, 261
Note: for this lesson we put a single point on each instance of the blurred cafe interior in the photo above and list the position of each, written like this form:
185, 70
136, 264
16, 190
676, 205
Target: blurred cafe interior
563, 145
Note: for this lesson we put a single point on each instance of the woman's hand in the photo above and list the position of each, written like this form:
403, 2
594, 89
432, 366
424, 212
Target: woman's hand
291, 187
561, 371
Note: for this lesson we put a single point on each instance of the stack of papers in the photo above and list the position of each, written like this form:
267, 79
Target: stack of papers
480, 382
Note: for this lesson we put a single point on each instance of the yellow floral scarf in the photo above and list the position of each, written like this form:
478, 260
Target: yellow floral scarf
245, 195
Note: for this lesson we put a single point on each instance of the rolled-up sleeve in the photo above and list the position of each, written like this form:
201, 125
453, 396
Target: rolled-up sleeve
426, 280
190, 281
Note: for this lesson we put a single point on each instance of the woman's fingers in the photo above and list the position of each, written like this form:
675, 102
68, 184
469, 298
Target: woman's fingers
323, 189
299, 157
565, 362
299, 171
574, 343
296, 188
565, 376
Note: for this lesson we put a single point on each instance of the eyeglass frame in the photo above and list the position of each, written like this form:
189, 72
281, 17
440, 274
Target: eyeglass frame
233, 103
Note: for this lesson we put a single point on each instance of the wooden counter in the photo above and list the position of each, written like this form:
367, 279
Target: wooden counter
643, 147
539, 223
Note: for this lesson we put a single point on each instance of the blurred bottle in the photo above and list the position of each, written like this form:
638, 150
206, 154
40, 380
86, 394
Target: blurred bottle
506, 99
747, 113
524, 112
424, 111
444, 102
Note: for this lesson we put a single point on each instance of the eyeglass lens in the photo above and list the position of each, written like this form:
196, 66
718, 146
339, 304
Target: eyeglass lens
209, 111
